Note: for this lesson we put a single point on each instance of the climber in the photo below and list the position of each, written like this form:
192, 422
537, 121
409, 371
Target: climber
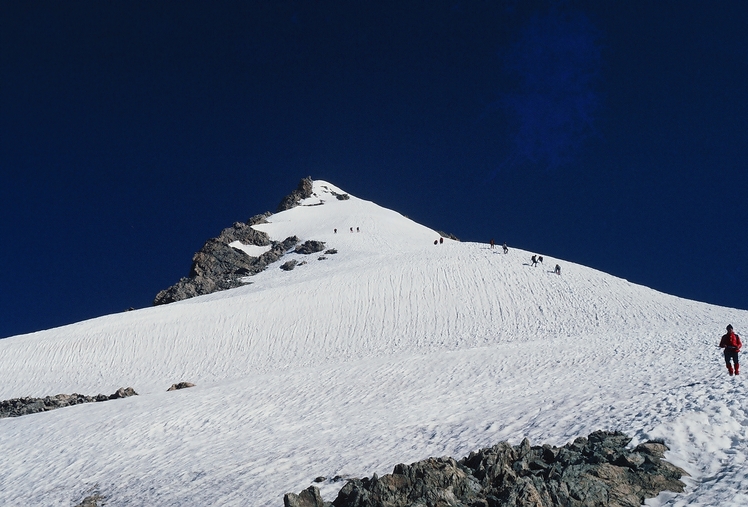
732, 345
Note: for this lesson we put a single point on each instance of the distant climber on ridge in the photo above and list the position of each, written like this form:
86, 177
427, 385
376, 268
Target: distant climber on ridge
732, 345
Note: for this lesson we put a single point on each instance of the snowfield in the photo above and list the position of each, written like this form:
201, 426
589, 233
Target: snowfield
389, 351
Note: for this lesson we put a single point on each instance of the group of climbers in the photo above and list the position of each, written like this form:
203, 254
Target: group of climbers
535, 259
730, 341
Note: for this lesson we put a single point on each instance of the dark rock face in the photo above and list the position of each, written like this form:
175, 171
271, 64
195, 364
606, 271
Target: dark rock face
310, 247
217, 258
303, 191
23, 406
310, 497
217, 266
289, 265
590, 472
259, 219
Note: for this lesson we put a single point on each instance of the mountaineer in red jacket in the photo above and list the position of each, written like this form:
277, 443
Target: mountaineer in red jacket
732, 345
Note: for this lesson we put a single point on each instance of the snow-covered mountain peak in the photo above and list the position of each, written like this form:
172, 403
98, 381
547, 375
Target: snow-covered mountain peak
330, 214
391, 350
323, 191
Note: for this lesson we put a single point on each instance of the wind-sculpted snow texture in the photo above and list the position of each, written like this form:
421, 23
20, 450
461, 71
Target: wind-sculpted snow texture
391, 351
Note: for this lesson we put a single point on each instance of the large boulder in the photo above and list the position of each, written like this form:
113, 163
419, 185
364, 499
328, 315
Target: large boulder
310, 497
309, 247
289, 265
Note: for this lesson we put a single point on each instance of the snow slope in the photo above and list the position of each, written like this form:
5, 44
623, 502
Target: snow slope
391, 350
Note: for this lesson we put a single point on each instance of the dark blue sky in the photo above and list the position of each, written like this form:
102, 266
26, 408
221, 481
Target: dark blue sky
612, 134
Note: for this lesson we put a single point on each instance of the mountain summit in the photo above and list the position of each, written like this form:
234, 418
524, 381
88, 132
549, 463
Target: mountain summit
246, 248
382, 345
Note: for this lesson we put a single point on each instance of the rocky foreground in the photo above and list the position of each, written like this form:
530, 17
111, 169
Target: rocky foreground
596, 471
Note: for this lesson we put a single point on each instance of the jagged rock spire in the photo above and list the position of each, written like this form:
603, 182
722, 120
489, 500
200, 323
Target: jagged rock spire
218, 266
303, 191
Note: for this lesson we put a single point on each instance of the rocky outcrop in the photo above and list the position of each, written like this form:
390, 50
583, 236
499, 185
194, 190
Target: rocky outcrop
596, 471
259, 219
310, 497
122, 392
303, 191
289, 265
180, 385
95, 500
218, 266
310, 247
23, 406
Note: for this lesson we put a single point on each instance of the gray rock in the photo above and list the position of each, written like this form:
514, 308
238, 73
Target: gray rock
435, 481
217, 266
310, 247
95, 500
596, 471
259, 219
289, 265
24, 406
180, 385
303, 191
123, 392
310, 497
